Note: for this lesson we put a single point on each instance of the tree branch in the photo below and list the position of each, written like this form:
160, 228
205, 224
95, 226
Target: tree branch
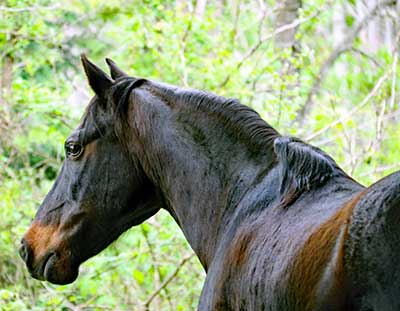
288, 11
342, 47
28, 9
296, 23
167, 281
365, 101
381, 169
5, 89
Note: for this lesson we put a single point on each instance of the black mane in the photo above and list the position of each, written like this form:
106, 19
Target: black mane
302, 167
244, 122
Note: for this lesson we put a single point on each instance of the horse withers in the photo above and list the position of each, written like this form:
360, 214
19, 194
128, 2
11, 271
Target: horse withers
275, 222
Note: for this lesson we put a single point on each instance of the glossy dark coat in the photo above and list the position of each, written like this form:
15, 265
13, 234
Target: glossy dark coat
275, 222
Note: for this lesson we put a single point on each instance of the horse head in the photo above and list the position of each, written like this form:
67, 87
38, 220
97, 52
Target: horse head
100, 192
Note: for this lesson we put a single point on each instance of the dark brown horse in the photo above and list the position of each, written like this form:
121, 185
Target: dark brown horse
275, 222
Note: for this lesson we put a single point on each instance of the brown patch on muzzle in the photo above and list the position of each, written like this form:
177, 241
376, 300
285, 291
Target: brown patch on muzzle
41, 239
47, 256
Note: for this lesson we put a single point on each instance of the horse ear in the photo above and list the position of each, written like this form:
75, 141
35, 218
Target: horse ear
99, 81
114, 70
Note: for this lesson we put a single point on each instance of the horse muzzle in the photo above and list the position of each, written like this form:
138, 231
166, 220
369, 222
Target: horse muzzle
52, 265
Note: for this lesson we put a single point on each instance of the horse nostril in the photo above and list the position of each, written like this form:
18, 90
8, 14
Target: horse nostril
24, 250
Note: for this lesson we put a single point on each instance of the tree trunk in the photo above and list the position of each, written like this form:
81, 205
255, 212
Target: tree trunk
380, 31
5, 87
288, 11
341, 47
200, 8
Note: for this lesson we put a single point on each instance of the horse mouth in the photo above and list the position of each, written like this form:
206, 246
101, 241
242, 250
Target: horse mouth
55, 270
41, 269
47, 264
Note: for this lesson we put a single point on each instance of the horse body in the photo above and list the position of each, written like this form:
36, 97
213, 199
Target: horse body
260, 264
275, 222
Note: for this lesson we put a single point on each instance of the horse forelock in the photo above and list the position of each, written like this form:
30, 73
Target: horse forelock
120, 92
113, 110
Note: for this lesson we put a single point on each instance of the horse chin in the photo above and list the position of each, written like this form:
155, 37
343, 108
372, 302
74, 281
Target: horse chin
58, 271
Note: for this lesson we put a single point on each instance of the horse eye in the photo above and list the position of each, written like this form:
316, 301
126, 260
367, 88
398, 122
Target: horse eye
73, 150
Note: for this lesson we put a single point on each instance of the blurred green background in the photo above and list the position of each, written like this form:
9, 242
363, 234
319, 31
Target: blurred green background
325, 71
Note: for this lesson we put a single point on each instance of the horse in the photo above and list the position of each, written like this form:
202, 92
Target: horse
274, 221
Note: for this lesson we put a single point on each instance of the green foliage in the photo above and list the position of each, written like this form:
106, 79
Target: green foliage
228, 50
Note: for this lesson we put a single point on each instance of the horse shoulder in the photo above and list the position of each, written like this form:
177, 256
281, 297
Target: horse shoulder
317, 279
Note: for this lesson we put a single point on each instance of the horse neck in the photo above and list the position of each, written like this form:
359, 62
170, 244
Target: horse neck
203, 172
